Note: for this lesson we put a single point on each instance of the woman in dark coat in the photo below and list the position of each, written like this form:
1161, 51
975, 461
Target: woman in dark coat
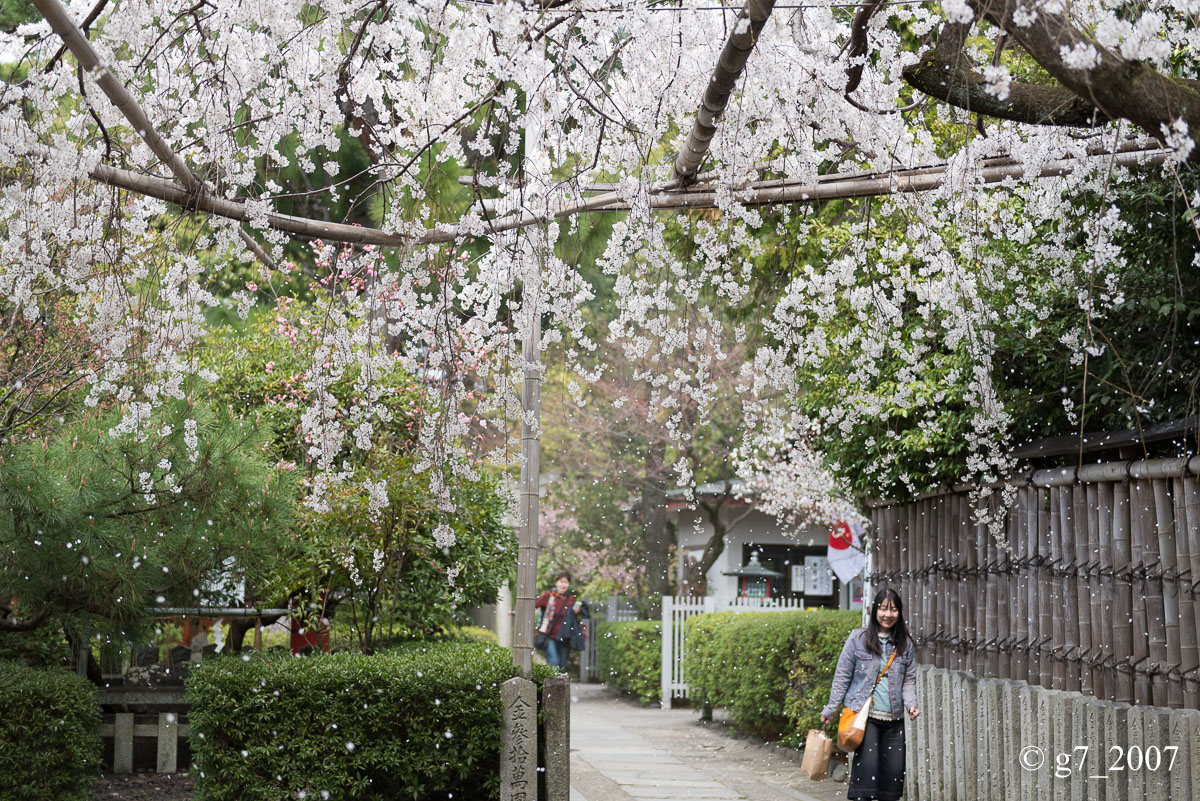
561, 627
878, 771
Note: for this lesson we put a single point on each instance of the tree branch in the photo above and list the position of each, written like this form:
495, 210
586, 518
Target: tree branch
9, 624
1118, 87
75, 41
945, 72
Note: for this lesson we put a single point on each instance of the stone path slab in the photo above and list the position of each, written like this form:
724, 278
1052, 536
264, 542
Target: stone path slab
622, 751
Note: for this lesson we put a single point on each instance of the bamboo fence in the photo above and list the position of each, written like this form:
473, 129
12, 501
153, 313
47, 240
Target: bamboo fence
1096, 592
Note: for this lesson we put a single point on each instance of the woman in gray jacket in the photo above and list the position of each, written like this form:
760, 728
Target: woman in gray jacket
878, 771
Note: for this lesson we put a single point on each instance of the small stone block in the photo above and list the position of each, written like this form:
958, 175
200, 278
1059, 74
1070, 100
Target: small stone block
1116, 736
1157, 723
1028, 736
556, 700
168, 742
123, 743
518, 741
1135, 750
1182, 765
1079, 785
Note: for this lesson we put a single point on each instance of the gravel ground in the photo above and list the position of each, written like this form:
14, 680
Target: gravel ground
143, 787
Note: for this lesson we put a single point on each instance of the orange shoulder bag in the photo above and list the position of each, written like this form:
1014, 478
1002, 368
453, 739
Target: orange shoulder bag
853, 725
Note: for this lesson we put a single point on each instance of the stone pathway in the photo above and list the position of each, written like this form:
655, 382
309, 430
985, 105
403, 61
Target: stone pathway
622, 751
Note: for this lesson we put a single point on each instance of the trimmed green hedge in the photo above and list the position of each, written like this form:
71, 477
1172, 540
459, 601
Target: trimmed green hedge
629, 657
49, 734
418, 722
770, 670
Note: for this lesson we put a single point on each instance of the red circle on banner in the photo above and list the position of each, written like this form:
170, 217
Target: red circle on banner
840, 536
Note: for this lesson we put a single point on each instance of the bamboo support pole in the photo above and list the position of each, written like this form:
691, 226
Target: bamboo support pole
732, 62
1083, 536
1108, 594
531, 407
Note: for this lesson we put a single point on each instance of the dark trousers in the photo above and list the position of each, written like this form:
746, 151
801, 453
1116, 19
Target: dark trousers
557, 654
878, 771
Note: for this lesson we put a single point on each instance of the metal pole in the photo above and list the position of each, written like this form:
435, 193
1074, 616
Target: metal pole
527, 553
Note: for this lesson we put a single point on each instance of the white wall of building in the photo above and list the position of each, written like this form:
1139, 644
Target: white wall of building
746, 525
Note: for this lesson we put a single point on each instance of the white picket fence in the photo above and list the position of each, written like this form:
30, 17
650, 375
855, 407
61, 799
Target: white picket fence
676, 610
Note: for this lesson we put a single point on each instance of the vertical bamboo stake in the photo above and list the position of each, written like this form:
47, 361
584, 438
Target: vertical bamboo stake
1086, 515
1164, 512
1122, 589
1187, 504
1070, 550
935, 513
978, 664
1143, 603
1076, 497
1060, 523
1013, 614
920, 561
1106, 582
993, 587
1046, 589
531, 408
1024, 617
962, 560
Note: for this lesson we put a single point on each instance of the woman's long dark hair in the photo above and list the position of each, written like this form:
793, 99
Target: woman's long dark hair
899, 631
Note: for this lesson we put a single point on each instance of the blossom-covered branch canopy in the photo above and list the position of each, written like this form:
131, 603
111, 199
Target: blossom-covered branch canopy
232, 110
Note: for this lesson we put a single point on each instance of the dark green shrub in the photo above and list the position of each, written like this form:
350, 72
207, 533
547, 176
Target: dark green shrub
629, 657
419, 721
49, 734
770, 670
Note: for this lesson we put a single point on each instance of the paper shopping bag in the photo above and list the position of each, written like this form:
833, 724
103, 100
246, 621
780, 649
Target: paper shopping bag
817, 749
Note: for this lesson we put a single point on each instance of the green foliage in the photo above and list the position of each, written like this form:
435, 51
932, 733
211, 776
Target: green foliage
260, 371
16, 12
770, 670
106, 526
49, 735
385, 567
629, 657
45, 646
1141, 365
417, 722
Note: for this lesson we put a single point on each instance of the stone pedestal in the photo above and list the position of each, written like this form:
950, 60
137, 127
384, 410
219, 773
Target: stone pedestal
518, 741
